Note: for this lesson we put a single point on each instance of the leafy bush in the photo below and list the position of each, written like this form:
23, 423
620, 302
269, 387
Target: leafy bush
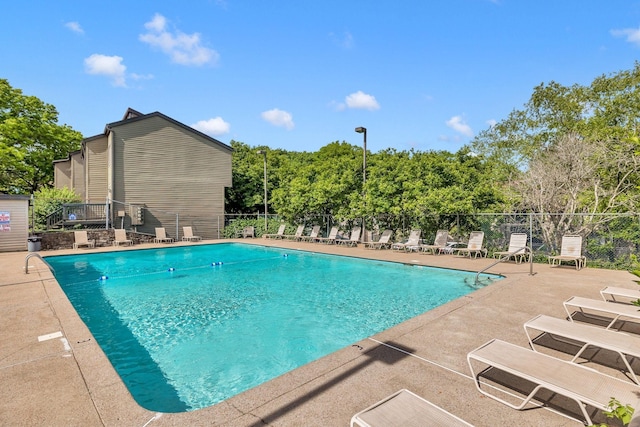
235, 228
618, 411
48, 200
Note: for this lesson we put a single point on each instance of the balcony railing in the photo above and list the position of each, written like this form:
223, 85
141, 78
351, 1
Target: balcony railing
77, 213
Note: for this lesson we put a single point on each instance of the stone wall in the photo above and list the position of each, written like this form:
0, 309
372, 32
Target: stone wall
64, 239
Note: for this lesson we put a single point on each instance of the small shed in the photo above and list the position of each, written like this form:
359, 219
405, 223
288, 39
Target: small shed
14, 222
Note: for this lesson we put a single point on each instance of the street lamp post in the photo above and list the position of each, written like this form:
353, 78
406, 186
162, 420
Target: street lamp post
264, 155
363, 131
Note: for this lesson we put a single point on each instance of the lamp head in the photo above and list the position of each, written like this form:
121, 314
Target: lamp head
360, 129
261, 152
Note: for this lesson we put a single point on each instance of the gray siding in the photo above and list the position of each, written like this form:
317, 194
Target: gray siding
171, 171
62, 174
70, 174
77, 175
96, 158
16, 238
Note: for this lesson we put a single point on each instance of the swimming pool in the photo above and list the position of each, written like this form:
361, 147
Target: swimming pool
188, 327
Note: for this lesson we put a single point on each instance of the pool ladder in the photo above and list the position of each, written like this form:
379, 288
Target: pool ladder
502, 259
31, 255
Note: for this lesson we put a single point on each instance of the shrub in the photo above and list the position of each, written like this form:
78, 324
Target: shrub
48, 200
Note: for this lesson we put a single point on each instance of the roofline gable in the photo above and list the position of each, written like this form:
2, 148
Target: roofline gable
125, 121
131, 113
69, 155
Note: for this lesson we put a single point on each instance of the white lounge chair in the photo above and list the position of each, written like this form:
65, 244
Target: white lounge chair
570, 251
248, 231
353, 239
278, 235
315, 230
474, 246
296, 235
412, 241
617, 294
439, 243
187, 235
80, 239
618, 311
330, 239
585, 386
120, 237
383, 242
627, 346
161, 236
406, 409
518, 249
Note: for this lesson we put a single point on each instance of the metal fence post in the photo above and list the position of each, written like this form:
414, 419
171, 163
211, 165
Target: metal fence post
531, 273
106, 216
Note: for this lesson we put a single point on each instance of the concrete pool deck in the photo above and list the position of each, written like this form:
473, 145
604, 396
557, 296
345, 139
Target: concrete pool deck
54, 373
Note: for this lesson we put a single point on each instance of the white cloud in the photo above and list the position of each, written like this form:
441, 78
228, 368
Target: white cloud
183, 49
214, 127
345, 41
492, 122
363, 101
278, 118
157, 23
75, 27
110, 66
632, 35
136, 76
458, 124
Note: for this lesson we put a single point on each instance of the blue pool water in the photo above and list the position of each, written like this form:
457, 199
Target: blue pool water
187, 327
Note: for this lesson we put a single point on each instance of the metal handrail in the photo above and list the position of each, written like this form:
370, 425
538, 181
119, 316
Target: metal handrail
77, 213
54, 218
26, 262
501, 259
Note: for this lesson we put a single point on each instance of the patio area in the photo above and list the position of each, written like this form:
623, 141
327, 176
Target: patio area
54, 373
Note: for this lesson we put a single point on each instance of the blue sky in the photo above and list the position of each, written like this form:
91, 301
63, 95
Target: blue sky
299, 74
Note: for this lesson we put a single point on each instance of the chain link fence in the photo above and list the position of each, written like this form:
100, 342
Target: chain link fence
609, 240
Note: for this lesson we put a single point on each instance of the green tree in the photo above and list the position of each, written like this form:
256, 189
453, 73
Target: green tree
244, 196
247, 193
328, 182
30, 140
417, 183
578, 149
47, 200
400, 184
605, 111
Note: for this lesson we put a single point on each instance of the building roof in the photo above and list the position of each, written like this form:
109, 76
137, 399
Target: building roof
132, 115
71, 153
13, 197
